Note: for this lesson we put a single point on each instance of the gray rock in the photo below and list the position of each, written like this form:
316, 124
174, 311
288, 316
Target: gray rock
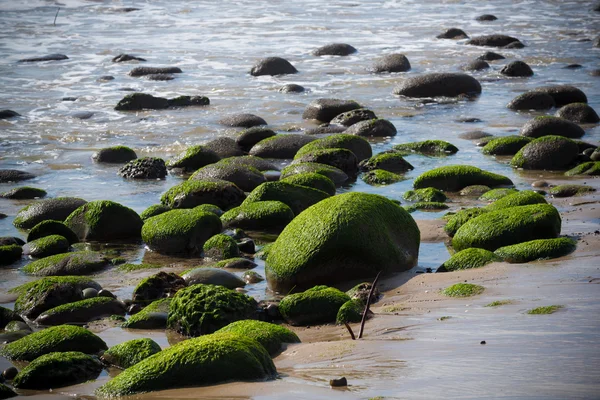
325, 110
378, 127
14, 175
114, 155
531, 101
335, 49
453, 33
564, 94
213, 276
242, 121
517, 69
224, 147
438, 84
24, 193
580, 113
476, 65
141, 101
486, 17
273, 66
391, 63
249, 137
141, 71
280, 146
491, 56
160, 77
6, 114
350, 118
144, 168
292, 88
492, 40
57, 209
547, 125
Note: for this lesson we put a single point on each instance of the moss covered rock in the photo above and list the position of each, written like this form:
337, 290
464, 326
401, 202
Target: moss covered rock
200, 361
426, 206
23, 193
455, 177
51, 227
570, 190
392, 162
114, 154
280, 146
356, 144
541, 249
591, 168
317, 305
313, 181
580, 113
10, 253
425, 194
245, 177
427, 147
157, 286
220, 247
508, 226
249, 137
474, 190
351, 117
250, 161
193, 158
496, 194
271, 336
54, 339
236, 263
342, 159
6, 392
81, 312
297, 197
521, 198
55, 370
380, 177
7, 316
131, 352
338, 176
75, 263
46, 246
153, 211
56, 209
192, 193
457, 219
153, 316
377, 127
505, 146
260, 216
203, 309
332, 241
180, 231
105, 220
213, 276
547, 152
469, 258
350, 311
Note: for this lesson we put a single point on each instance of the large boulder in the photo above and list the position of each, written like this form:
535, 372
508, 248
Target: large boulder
438, 85
56, 209
271, 336
144, 168
153, 316
245, 177
325, 110
492, 40
249, 137
318, 305
564, 94
332, 242
259, 216
272, 66
141, 101
507, 226
518, 69
547, 152
194, 157
297, 197
81, 312
280, 146
548, 125
213, 276
391, 63
335, 49
580, 113
455, 177
75, 263
131, 352
14, 175
200, 361
105, 220
192, 193
312, 180
531, 100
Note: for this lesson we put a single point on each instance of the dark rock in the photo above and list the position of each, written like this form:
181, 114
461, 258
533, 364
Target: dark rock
273, 66
213, 276
159, 286
325, 110
68, 99
7, 316
194, 157
453, 33
24, 193
49, 57
14, 175
106, 78
514, 45
10, 240
141, 101
10, 373
547, 125
144, 168
378, 127
492, 40
325, 129
160, 77
580, 113
51, 227
486, 17
391, 63
244, 177
192, 193
127, 57
116, 154
280, 146
350, 118
251, 161
65, 264
249, 137
247, 246
564, 94
292, 88
546, 153
531, 101
89, 293
243, 121
340, 158
595, 72
341, 382
516, 69
106, 293
468, 120
141, 71
491, 56
476, 65
335, 49
573, 66
224, 147
389, 161
6, 114
81, 312
438, 84
57, 209
82, 114
186, 101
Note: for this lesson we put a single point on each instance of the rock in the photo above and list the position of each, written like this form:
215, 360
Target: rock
7, 316
245, 177
252, 277
205, 360
9, 337
61, 338
242, 121
144, 168
194, 157
486, 17
505, 146
548, 125
17, 326
81, 312
312, 180
185, 101
453, 33
496, 194
563, 94
332, 242
250, 161
131, 352
531, 101
259, 216
46, 246
213, 276
297, 197
351, 311
153, 316
10, 373
46, 293
490, 56
325, 110
49, 57
82, 114
115, 154
247, 245
141, 101
203, 309
105, 220
588, 168
362, 291
341, 382
75, 263
236, 263
89, 293
570, 190
392, 162
55, 209
541, 249
547, 152
437, 85
474, 135
580, 113
292, 88
426, 147
507, 226
141, 71
325, 128
474, 190
55, 370
380, 177
522, 198
160, 77
468, 259
475, 65
10, 254
7, 114
224, 147
271, 336
425, 195
516, 69
455, 177
351, 117
106, 293
378, 127
338, 176
154, 210
335, 49
14, 175
251, 136
158, 286
280, 146
317, 305
9, 240
192, 193
356, 144
340, 158
492, 40
52, 227
180, 231
220, 247
391, 63
126, 57
272, 66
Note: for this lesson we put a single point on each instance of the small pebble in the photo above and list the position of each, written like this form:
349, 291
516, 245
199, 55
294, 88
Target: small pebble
10, 373
338, 382
482, 342
540, 184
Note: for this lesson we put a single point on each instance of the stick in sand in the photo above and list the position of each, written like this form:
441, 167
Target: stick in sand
364, 316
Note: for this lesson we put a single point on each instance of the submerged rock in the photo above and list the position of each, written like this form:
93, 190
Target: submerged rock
335, 49
14, 175
438, 85
272, 66
126, 57
81, 312
391, 63
453, 33
141, 71
141, 101
49, 57
492, 40
6, 114
531, 101
144, 168
491, 56
242, 121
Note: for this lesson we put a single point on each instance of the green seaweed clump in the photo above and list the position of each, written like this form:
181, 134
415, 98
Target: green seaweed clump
522, 198
313, 180
271, 336
52, 227
427, 147
469, 258
81, 311
220, 247
131, 352
544, 310
10, 253
350, 311
497, 194
570, 190
267, 215
425, 195
590, 168
453, 178
463, 290
127, 267
193, 158
200, 361
541, 249
313, 306
153, 316
296, 197
55, 339
455, 221
499, 303
380, 177
153, 210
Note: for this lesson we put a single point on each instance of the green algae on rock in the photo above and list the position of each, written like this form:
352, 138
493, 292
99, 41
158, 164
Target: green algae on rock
271, 336
297, 197
243, 176
546, 153
203, 309
192, 193
75, 263
338, 176
544, 310
505, 146
570, 190
427, 147
200, 361
356, 144
496, 194
332, 241
105, 220
390, 161
52, 227
154, 210
55, 339
342, 159
312, 180
180, 231
24, 192
10, 254
469, 258
426, 206
507, 226
194, 157
209, 208
157, 286
259, 216
114, 154
540, 249
456, 220
128, 267
46, 246
131, 352
59, 369
590, 168
153, 316
81, 311
6, 392
455, 177
426, 194
380, 177
463, 290
350, 311
220, 247
55, 209
236, 263
318, 305
522, 198
474, 190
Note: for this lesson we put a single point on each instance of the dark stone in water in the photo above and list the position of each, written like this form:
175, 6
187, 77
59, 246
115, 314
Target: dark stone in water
161, 285
186, 101
335, 49
242, 121
352, 117
517, 69
116, 154
106, 78
324, 129
141, 71
49, 57
546, 125
22, 193
68, 99
468, 120
56, 209
438, 84
144, 168
224, 147
492, 40
273, 66
491, 56
141, 101
249, 137
531, 101
10, 373
486, 17
327, 109
280, 146
476, 65
8, 240
573, 66
377, 127
514, 45
580, 113
160, 77
595, 72
127, 57
391, 63
474, 135
292, 88
82, 114
453, 33
338, 382
564, 94
6, 114
126, 9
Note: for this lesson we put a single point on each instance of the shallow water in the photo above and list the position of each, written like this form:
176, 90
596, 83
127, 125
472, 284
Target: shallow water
216, 43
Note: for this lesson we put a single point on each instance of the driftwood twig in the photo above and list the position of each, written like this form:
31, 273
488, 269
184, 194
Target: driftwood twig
364, 316
56, 16
350, 331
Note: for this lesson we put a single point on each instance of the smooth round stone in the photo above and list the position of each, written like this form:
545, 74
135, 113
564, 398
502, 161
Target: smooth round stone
106, 293
10, 373
538, 184
89, 293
